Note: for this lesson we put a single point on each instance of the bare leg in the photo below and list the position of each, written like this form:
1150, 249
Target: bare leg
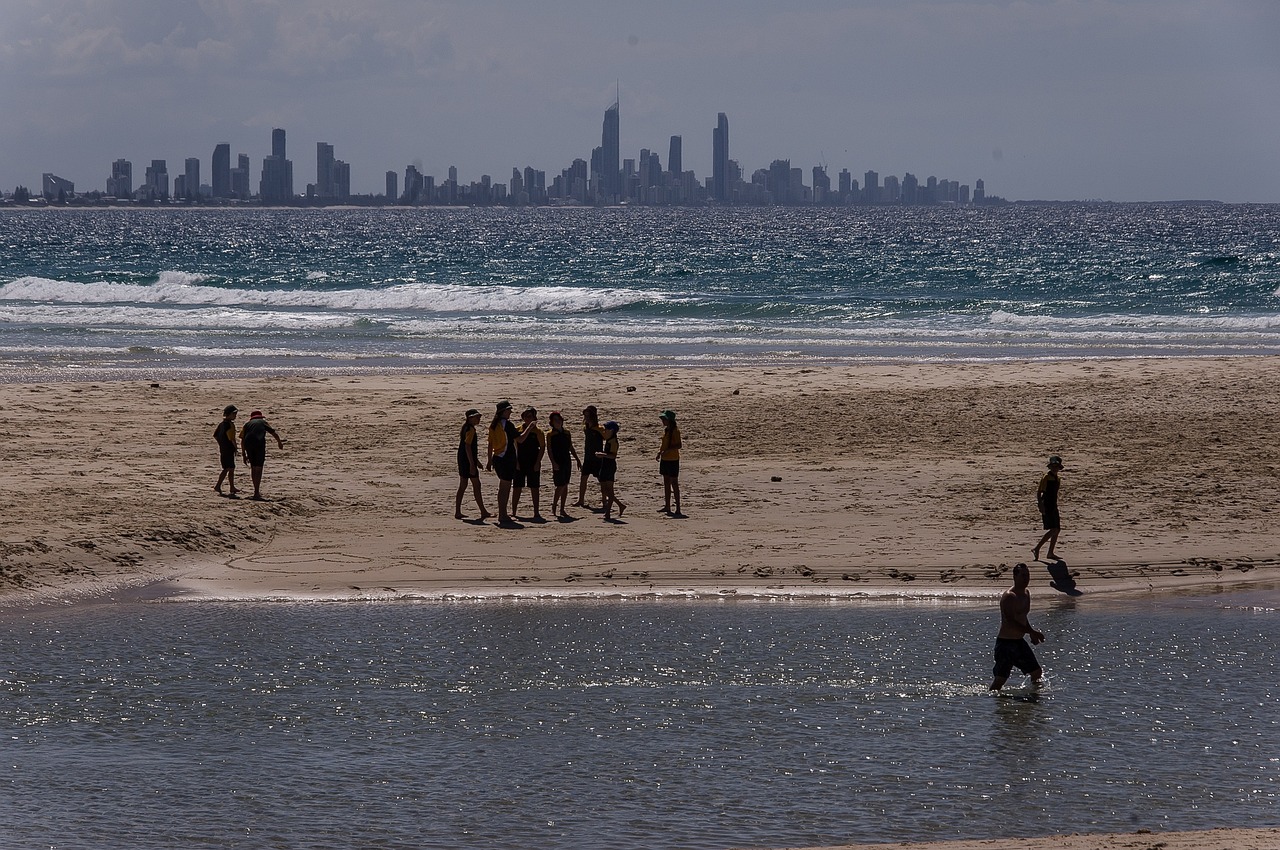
582, 490
536, 492
606, 494
457, 502
504, 493
675, 491
515, 500
666, 493
475, 489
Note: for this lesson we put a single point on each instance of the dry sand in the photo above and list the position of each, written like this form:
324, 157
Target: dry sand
902, 479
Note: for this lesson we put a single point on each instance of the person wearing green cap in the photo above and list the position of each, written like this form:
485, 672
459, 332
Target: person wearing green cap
669, 461
1047, 501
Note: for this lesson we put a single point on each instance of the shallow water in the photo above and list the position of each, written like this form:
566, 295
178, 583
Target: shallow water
618, 724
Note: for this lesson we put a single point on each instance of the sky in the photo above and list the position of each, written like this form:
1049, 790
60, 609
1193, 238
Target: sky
1123, 100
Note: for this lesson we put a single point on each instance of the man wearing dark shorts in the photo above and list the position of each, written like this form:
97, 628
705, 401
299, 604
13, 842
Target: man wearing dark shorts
1047, 502
225, 434
1011, 650
253, 441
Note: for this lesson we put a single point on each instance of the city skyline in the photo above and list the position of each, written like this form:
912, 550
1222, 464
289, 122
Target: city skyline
1110, 99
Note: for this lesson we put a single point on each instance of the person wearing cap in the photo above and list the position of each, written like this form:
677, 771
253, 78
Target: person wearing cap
560, 449
469, 465
669, 461
253, 442
502, 457
531, 445
225, 435
609, 470
592, 445
1047, 501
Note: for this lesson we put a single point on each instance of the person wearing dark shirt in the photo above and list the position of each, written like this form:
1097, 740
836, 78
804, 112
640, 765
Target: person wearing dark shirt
225, 435
502, 457
531, 445
253, 441
592, 445
560, 449
469, 465
1047, 501
609, 471
669, 461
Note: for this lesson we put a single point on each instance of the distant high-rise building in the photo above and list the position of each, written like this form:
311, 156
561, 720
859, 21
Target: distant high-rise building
675, 157
276, 183
846, 180
324, 170
720, 160
821, 185
392, 192
979, 191
157, 184
910, 189
413, 185
191, 171
222, 171
120, 184
611, 151
871, 187
341, 180
240, 178
779, 181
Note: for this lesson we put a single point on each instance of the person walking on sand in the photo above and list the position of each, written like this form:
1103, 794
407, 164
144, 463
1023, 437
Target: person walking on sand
669, 461
592, 444
225, 434
1011, 650
531, 445
469, 465
253, 441
1047, 501
609, 470
560, 449
502, 457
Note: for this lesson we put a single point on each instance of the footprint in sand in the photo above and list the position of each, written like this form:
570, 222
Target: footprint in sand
901, 576
573, 576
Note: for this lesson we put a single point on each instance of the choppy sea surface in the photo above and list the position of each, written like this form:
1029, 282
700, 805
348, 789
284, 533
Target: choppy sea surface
378, 289
630, 725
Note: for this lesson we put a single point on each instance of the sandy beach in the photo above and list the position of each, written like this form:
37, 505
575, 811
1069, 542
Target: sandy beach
851, 480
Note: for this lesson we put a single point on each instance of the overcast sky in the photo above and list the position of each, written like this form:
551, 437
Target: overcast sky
1069, 99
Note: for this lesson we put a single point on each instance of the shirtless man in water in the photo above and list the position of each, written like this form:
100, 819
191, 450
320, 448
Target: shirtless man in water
1011, 650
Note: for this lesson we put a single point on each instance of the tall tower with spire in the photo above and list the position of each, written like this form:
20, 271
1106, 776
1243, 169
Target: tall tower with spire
610, 162
720, 160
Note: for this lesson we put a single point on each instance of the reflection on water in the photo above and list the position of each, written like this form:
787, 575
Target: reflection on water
628, 724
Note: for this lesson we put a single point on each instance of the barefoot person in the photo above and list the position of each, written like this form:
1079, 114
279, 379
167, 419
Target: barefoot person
1047, 501
1011, 650
469, 465
669, 461
502, 456
560, 449
531, 445
609, 470
592, 444
253, 440
225, 434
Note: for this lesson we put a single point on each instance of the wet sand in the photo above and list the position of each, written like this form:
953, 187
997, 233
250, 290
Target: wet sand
1216, 839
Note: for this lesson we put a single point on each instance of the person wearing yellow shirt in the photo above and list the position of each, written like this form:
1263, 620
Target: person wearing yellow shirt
669, 462
502, 456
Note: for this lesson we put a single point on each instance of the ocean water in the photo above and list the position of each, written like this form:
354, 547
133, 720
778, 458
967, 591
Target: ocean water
386, 289
631, 726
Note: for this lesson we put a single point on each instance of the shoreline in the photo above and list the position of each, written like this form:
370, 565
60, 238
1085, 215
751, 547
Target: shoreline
858, 481
1228, 838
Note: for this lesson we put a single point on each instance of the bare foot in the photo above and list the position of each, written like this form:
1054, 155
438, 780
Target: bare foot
485, 515
459, 516
1035, 553
621, 508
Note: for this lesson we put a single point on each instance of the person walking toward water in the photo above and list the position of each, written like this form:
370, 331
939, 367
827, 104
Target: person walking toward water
469, 465
531, 445
502, 456
560, 449
253, 441
225, 434
1047, 501
592, 444
1011, 650
609, 470
669, 461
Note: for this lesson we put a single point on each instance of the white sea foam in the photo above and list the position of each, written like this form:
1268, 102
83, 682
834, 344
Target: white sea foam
185, 289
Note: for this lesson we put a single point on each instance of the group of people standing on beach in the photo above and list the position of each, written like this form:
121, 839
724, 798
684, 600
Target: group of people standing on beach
515, 453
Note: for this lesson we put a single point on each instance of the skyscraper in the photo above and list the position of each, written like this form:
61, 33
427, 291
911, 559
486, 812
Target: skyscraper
720, 160
158, 180
610, 175
222, 171
240, 177
277, 143
324, 170
191, 172
393, 182
675, 162
121, 183
276, 184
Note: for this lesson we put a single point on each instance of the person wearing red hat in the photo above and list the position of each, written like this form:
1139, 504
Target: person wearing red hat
253, 441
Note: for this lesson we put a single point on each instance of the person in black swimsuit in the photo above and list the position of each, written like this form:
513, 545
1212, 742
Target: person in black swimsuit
469, 465
225, 434
592, 445
502, 457
560, 449
609, 470
1047, 501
